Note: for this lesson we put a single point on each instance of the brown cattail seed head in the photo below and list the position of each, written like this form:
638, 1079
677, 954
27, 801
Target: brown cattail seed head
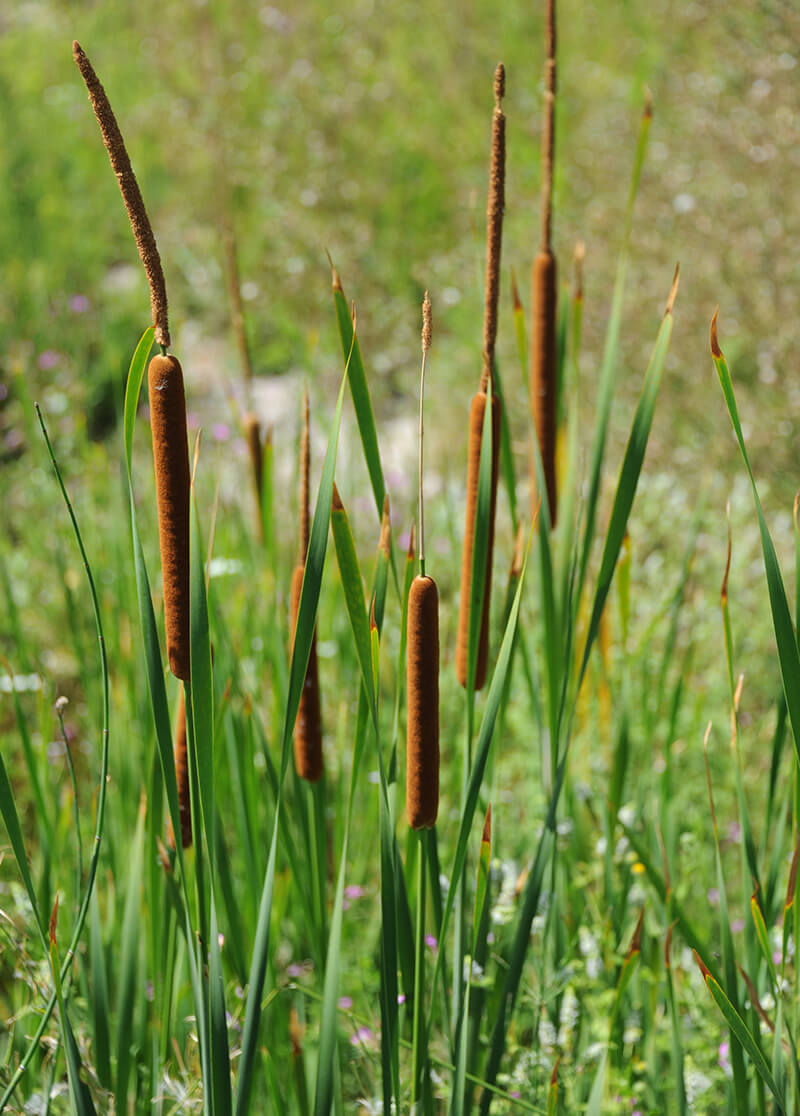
308, 726
182, 774
171, 458
252, 432
422, 736
385, 540
476, 415
427, 324
131, 195
544, 371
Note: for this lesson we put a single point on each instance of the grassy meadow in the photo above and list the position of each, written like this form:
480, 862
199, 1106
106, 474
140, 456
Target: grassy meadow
602, 918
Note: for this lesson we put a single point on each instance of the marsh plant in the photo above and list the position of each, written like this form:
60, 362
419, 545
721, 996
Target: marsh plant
264, 922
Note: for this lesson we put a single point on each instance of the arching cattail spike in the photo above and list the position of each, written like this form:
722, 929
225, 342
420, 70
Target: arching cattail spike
544, 294
171, 460
131, 195
648, 103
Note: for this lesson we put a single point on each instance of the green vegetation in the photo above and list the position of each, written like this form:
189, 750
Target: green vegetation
603, 918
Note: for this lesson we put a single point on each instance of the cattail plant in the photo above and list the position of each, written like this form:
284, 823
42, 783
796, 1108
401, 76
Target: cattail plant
422, 742
543, 363
165, 383
494, 236
252, 433
308, 726
422, 731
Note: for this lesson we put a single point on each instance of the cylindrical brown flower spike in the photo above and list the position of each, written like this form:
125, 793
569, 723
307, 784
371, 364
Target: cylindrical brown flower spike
171, 459
308, 726
544, 295
252, 430
476, 416
422, 739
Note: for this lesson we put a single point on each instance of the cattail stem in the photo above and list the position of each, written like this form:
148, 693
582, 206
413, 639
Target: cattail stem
305, 472
548, 126
427, 330
131, 195
171, 460
418, 1029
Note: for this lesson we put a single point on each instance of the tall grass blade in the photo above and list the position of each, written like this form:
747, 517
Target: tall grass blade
788, 655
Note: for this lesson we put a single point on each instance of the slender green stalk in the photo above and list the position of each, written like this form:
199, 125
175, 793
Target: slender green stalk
418, 1032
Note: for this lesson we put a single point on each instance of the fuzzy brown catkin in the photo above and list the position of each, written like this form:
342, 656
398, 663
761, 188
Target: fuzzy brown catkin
476, 416
171, 459
308, 726
422, 734
131, 195
182, 774
252, 430
544, 373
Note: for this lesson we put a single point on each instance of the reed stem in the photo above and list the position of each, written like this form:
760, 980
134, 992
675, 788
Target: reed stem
418, 1032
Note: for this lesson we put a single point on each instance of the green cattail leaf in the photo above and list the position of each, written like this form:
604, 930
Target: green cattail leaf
128, 963
10, 816
353, 587
595, 1105
201, 690
306, 621
788, 655
506, 452
32, 767
675, 1035
133, 389
747, 1040
80, 1097
99, 997
218, 1031
552, 1093
608, 368
520, 332
763, 937
481, 892
628, 481
361, 398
